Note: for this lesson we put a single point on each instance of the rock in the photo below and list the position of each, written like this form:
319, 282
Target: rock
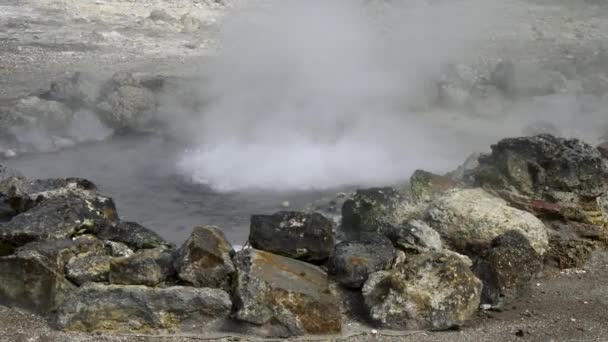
569, 252
462, 174
131, 234
6, 173
455, 84
31, 281
139, 309
352, 261
527, 81
285, 296
161, 15
416, 236
603, 148
434, 291
204, 260
71, 90
297, 235
190, 23
34, 112
57, 218
149, 267
507, 268
90, 267
548, 176
125, 103
376, 210
426, 186
117, 249
471, 218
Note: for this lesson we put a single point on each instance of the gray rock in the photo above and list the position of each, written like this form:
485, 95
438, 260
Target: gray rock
283, 296
149, 267
377, 210
35, 112
190, 23
416, 236
352, 261
60, 217
6, 172
205, 259
131, 308
468, 218
31, 281
434, 291
426, 186
507, 268
161, 15
527, 81
89, 267
297, 235
569, 252
117, 249
132, 234
71, 89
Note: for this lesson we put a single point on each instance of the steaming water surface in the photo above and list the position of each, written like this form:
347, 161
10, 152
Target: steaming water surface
139, 173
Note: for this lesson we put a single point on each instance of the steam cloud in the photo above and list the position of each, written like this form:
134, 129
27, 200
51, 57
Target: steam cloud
321, 94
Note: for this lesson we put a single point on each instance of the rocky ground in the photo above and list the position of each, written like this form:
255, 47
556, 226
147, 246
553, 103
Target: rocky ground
559, 45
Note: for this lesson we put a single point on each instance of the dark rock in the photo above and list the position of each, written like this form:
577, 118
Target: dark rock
569, 252
140, 309
376, 210
57, 218
415, 237
426, 186
89, 267
31, 281
353, 261
205, 259
149, 267
603, 148
302, 236
283, 296
131, 234
507, 268
434, 291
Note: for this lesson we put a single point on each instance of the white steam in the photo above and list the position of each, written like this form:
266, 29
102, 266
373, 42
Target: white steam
318, 93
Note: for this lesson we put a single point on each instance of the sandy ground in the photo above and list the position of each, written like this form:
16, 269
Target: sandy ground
42, 39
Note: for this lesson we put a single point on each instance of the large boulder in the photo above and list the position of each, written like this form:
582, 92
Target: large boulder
204, 260
128, 102
469, 219
377, 210
60, 217
434, 291
303, 236
549, 176
32, 281
283, 296
149, 267
507, 268
132, 308
352, 261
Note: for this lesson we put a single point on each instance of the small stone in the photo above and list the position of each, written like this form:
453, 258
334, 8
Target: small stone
485, 306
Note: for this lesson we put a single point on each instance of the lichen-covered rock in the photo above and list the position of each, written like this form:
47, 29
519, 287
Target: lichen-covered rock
352, 261
148, 267
204, 260
127, 102
507, 268
117, 249
131, 234
285, 296
470, 218
565, 173
31, 281
57, 218
426, 186
434, 291
569, 252
377, 210
88, 267
132, 308
415, 236
303, 236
